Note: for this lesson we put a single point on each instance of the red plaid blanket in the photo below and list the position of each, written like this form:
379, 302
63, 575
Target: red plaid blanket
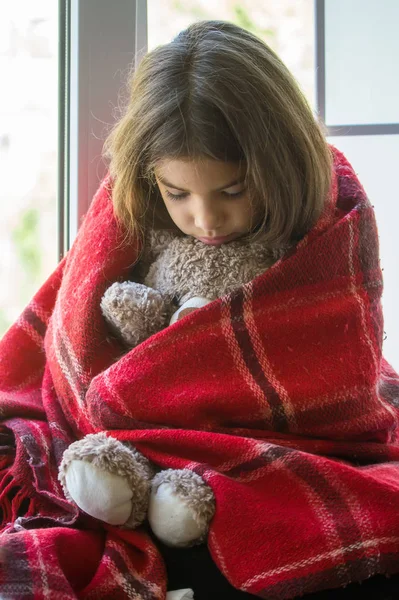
277, 394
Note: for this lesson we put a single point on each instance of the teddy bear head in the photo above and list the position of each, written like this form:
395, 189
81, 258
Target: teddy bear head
187, 268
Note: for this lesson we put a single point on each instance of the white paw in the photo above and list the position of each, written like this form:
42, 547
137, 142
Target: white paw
100, 494
107, 479
188, 307
181, 507
171, 519
186, 594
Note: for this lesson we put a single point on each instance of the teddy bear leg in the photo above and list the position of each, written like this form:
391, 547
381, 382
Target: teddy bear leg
181, 507
107, 479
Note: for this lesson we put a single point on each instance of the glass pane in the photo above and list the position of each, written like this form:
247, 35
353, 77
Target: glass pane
28, 144
287, 26
375, 160
362, 53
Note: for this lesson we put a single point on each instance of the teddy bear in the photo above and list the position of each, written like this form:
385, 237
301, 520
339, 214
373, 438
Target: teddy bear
112, 481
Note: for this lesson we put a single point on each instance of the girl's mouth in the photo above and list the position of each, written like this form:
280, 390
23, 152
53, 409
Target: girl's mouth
216, 241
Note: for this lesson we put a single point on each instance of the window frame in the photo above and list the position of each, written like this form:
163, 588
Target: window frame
92, 70
320, 64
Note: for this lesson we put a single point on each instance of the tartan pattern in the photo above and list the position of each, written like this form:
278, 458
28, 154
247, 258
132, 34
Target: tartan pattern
276, 394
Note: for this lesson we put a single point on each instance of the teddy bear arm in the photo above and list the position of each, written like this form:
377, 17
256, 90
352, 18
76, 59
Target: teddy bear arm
134, 311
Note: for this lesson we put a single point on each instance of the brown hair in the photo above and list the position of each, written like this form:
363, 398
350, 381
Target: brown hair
218, 91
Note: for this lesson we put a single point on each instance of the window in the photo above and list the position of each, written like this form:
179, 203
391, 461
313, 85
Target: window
28, 151
286, 25
358, 92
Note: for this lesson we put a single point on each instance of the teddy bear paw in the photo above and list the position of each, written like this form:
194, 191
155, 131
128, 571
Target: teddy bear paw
181, 507
188, 307
107, 479
186, 594
134, 311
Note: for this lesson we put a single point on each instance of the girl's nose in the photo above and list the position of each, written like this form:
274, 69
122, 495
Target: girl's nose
209, 226
207, 220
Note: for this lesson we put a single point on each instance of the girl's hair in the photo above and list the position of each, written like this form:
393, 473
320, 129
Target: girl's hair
217, 91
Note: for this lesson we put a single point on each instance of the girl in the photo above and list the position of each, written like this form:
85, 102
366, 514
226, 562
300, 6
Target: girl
276, 395
218, 142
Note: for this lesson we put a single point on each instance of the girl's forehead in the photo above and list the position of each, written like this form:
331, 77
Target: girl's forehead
196, 169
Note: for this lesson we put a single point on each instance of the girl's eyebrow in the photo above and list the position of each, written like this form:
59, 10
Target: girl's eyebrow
168, 184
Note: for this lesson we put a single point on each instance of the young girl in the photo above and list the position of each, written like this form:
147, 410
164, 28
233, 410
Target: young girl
219, 143
276, 395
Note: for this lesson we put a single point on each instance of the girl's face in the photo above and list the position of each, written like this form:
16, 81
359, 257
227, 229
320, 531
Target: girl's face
206, 198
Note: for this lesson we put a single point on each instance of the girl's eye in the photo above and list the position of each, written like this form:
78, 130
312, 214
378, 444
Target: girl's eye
235, 194
181, 196
175, 196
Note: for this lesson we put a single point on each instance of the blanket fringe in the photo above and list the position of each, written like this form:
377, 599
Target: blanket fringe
15, 500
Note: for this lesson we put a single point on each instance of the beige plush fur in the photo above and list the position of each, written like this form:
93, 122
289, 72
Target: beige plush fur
134, 311
186, 267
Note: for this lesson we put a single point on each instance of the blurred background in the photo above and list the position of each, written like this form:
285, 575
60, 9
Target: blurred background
29, 127
28, 151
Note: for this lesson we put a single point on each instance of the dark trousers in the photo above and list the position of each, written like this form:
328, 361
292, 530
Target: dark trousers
194, 568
